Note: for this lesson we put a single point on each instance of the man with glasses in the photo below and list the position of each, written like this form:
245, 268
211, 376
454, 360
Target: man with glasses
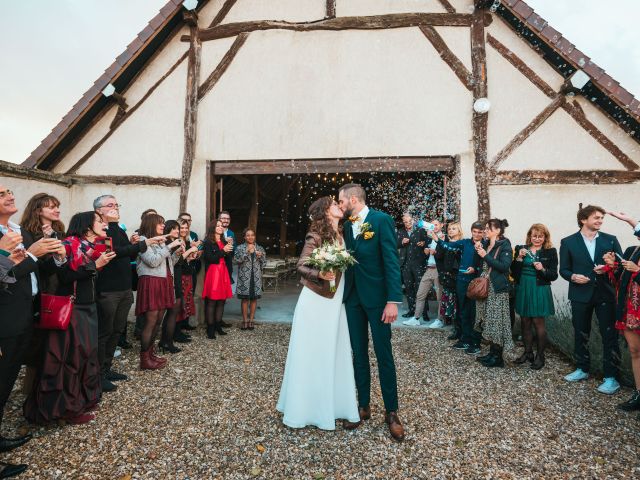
114, 288
18, 291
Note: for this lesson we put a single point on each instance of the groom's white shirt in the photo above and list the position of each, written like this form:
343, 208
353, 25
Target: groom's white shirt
355, 229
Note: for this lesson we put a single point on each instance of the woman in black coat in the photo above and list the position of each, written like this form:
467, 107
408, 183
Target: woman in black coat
534, 267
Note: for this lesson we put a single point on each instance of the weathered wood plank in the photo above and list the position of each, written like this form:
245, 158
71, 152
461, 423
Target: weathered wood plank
331, 8
480, 120
521, 66
130, 112
222, 13
372, 22
447, 6
448, 56
527, 131
564, 177
190, 114
217, 73
333, 165
13, 170
579, 116
125, 180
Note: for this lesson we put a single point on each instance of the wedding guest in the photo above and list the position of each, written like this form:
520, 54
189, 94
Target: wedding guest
590, 290
403, 234
447, 275
493, 261
534, 268
217, 283
68, 383
114, 287
466, 307
251, 260
155, 287
431, 277
41, 218
414, 265
625, 275
18, 287
135, 238
225, 218
189, 267
195, 266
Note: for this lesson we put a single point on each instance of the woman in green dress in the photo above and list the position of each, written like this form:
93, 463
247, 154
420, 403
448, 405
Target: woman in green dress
534, 267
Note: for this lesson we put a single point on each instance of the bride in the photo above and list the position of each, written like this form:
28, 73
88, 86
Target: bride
318, 385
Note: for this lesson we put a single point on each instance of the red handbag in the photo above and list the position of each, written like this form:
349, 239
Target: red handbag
55, 311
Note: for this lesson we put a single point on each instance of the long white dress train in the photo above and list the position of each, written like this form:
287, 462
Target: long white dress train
318, 385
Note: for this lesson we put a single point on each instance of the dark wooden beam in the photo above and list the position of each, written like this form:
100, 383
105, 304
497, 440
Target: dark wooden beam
241, 179
448, 56
373, 22
222, 13
213, 78
128, 114
190, 114
527, 131
333, 165
125, 180
480, 120
447, 6
579, 116
521, 66
564, 177
13, 170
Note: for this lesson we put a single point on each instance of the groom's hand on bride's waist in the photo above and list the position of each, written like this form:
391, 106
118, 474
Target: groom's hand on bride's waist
390, 313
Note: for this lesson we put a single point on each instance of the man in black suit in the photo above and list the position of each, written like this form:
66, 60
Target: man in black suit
581, 264
16, 307
411, 242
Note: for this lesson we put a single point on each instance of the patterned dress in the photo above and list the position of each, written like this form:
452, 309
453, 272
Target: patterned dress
250, 267
492, 316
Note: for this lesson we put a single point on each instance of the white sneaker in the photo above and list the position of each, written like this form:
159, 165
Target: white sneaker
412, 322
577, 375
117, 353
609, 386
437, 323
428, 323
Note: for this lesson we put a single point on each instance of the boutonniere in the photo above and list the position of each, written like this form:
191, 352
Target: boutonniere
365, 231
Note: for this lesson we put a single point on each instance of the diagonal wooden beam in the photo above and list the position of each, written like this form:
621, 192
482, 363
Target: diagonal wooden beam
448, 56
579, 116
217, 20
128, 114
213, 78
527, 131
522, 67
447, 6
372, 22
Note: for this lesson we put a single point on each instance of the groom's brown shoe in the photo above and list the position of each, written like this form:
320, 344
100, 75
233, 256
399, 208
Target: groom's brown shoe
365, 414
395, 426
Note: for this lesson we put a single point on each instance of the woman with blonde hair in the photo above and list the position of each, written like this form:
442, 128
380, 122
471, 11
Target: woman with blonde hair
448, 276
534, 267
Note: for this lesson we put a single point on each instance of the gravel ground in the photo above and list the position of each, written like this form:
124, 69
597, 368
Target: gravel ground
211, 414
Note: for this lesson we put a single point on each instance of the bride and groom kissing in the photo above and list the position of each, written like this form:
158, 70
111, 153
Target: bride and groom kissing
328, 357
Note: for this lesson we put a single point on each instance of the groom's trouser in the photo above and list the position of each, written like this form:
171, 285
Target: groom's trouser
359, 320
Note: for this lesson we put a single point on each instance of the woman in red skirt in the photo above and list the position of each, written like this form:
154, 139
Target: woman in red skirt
188, 268
155, 287
217, 284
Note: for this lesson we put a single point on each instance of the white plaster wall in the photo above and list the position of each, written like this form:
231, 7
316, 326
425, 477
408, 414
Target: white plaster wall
561, 144
289, 10
151, 140
207, 13
556, 207
468, 192
25, 189
332, 94
211, 54
617, 135
197, 199
345, 8
462, 6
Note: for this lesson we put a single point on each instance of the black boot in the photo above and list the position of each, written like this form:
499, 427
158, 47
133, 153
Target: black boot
538, 363
211, 331
8, 444
485, 358
632, 404
219, 329
525, 357
106, 384
496, 360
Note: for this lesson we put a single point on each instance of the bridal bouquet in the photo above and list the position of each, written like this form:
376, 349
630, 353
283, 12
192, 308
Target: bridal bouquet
331, 257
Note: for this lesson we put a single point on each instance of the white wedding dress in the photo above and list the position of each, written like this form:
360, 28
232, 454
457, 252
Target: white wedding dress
318, 385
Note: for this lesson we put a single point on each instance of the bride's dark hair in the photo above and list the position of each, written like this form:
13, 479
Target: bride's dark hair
320, 224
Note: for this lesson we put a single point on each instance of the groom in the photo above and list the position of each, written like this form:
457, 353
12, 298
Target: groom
372, 294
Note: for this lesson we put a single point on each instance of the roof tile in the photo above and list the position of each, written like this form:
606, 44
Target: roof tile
593, 70
565, 46
156, 21
579, 58
624, 96
168, 10
102, 81
511, 3
112, 70
123, 58
146, 33
523, 9
49, 140
551, 34
607, 82
536, 21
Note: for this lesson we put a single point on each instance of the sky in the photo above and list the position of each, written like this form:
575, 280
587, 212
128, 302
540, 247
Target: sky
51, 52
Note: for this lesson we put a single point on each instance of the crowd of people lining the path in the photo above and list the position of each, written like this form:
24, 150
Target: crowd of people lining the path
96, 264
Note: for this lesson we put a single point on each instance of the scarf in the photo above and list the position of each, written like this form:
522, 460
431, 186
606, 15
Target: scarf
81, 251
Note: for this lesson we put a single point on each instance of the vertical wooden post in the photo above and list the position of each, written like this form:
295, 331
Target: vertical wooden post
253, 211
191, 106
331, 9
480, 120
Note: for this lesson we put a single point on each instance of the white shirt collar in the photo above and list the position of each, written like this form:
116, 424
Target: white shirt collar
586, 239
363, 214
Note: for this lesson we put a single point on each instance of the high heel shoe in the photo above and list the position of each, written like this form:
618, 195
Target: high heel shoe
525, 357
219, 329
164, 347
538, 363
251, 325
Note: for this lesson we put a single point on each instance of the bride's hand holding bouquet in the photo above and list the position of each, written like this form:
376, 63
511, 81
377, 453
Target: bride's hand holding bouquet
330, 258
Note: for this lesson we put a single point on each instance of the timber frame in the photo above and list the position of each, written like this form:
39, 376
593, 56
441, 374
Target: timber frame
172, 17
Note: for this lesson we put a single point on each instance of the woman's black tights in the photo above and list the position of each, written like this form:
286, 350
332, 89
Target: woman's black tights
213, 310
169, 323
541, 334
150, 329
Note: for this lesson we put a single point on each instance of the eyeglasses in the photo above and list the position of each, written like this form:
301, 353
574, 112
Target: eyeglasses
5, 193
111, 205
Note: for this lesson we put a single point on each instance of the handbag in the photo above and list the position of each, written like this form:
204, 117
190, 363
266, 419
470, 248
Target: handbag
55, 311
478, 288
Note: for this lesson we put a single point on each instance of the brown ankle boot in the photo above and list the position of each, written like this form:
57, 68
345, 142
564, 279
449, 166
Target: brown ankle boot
147, 363
155, 358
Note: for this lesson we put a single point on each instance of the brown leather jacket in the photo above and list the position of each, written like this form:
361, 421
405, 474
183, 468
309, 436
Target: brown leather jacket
309, 275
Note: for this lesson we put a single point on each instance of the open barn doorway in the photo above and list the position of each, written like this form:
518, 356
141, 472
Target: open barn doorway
273, 197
